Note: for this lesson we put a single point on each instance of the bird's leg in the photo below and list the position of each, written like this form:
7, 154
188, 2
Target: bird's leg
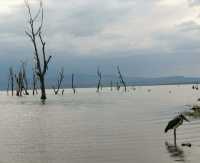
174, 137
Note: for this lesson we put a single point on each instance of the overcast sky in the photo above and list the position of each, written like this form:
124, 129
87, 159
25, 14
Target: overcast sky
145, 37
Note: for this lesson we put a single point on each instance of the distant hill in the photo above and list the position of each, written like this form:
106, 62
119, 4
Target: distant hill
85, 80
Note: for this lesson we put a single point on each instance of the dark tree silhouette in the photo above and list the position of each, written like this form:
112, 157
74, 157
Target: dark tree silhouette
59, 81
19, 83
34, 82
11, 81
99, 79
117, 86
24, 76
35, 34
63, 92
121, 78
73, 87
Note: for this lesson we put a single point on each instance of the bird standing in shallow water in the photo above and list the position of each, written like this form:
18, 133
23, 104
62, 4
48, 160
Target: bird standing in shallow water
175, 123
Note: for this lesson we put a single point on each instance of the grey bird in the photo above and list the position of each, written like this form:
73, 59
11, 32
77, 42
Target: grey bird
175, 123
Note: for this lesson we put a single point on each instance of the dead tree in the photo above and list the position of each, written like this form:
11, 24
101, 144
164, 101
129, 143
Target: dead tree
121, 78
59, 81
117, 86
99, 79
73, 87
19, 83
63, 92
11, 80
35, 34
34, 82
24, 76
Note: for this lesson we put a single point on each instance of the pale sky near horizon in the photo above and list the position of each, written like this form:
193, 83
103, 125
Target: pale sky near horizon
146, 37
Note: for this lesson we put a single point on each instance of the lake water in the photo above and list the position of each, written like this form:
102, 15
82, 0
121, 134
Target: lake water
109, 127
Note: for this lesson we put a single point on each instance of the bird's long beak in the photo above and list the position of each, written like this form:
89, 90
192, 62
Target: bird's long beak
185, 119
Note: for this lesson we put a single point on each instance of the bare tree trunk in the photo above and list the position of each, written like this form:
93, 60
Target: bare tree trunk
63, 92
19, 83
117, 86
99, 80
25, 83
35, 35
73, 87
34, 83
121, 78
42, 87
11, 81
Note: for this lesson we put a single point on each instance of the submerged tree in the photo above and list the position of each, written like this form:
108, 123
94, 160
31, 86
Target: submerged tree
19, 83
63, 91
34, 32
24, 77
59, 81
73, 87
117, 86
99, 79
34, 82
121, 78
11, 80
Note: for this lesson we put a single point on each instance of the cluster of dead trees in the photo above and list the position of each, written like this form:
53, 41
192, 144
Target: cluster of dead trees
18, 80
118, 83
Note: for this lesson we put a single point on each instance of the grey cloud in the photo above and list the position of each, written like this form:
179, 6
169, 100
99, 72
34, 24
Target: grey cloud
13, 41
189, 26
193, 2
68, 27
89, 20
13, 23
179, 44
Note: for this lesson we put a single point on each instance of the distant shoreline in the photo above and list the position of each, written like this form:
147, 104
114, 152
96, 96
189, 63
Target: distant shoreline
90, 81
139, 85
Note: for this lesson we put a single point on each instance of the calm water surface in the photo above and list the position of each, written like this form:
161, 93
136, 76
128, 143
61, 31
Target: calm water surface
110, 127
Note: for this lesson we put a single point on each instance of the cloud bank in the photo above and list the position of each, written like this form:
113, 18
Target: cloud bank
163, 35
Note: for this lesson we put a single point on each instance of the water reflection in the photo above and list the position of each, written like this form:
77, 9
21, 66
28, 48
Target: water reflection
175, 152
43, 101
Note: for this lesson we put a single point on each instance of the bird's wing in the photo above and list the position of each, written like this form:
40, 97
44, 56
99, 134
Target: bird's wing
172, 124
